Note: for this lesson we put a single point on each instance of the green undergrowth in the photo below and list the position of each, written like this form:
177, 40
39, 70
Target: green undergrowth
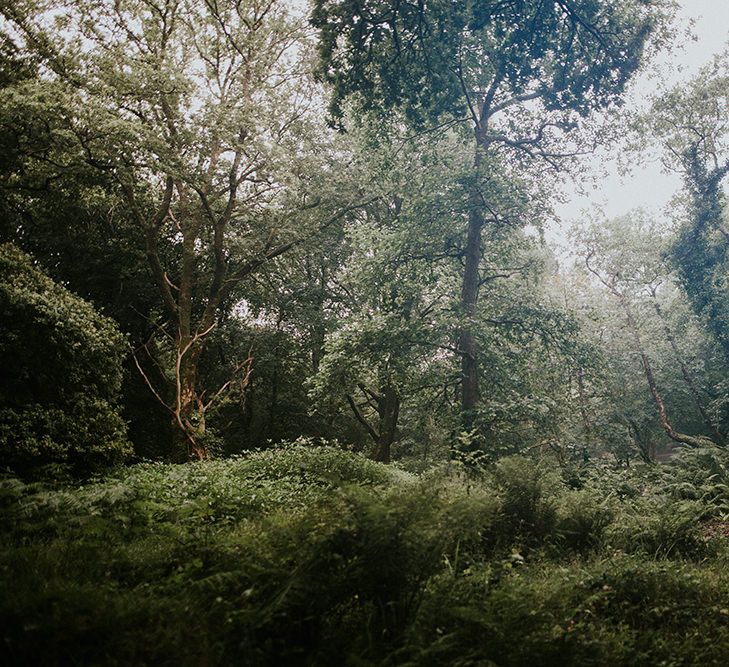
314, 556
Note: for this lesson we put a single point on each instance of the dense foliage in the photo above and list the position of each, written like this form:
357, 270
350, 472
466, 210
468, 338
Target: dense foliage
310, 555
375, 417
431, 58
61, 375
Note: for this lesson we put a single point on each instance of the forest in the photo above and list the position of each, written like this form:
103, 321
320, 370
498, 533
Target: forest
301, 364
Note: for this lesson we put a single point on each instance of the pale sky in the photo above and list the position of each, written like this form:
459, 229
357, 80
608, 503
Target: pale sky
647, 186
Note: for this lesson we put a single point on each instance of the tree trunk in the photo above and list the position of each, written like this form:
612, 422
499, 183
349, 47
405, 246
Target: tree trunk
190, 411
273, 416
317, 329
587, 425
387, 406
693, 389
389, 411
468, 348
188, 406
469, 299
653, 386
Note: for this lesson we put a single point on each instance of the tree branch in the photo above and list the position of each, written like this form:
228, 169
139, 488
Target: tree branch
372, 433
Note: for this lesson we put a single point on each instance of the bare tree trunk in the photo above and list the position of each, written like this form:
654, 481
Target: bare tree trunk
273, 406
318, 329
189, 409
470, 391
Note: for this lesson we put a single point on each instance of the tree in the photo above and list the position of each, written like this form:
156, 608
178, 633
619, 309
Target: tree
391, 296
62, 372
523, 75
624, 256
199, 115
389, 357
690, 125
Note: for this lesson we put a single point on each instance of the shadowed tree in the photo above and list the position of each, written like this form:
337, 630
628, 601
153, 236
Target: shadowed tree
200, 115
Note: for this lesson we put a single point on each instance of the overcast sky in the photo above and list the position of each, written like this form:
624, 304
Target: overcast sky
647, 186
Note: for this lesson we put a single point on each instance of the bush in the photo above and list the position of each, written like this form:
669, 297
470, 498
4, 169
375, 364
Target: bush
582, 518
659, 527
311, 555
528, 492
702, 475
62, 374
622, 611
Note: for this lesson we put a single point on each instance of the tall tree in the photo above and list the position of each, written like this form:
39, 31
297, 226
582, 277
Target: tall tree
392, 304
199, 115
691, 125
523, 75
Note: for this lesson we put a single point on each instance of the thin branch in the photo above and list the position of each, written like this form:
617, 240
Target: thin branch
373, 434
248, 364
149, 383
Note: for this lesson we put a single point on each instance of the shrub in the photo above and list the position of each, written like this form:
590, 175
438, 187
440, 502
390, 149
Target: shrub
582, 519
622, 611
528, 490
61, 376
658, 527
703, 475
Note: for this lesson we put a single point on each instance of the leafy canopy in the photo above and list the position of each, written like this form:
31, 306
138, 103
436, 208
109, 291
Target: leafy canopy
443, 57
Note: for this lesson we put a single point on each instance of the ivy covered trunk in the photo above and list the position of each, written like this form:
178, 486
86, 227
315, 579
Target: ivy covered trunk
698, 258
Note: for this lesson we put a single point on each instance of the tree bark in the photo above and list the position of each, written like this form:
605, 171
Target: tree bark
586, 422
470, 392
389, 411
468, 348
